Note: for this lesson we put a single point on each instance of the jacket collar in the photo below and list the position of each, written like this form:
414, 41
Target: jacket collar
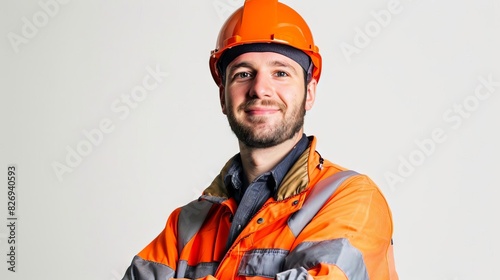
294, 182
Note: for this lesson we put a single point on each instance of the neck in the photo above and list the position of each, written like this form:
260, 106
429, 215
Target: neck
257, 161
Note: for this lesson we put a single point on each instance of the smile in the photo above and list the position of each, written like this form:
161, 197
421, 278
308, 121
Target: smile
261, 111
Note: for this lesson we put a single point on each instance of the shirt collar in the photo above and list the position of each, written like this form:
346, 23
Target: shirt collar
235, 180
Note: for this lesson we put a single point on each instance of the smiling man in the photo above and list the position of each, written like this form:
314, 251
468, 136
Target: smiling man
277, 209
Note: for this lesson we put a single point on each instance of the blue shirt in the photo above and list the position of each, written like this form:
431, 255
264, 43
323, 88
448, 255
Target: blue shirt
250, 197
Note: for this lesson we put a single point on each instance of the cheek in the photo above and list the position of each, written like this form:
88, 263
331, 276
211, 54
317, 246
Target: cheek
235, 96
231, 103
292, 97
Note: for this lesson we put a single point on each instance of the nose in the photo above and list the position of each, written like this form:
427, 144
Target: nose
261, 86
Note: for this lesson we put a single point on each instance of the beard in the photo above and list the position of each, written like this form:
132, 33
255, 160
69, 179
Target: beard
253, 135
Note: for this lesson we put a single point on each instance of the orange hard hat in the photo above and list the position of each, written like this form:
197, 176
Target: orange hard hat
265, 21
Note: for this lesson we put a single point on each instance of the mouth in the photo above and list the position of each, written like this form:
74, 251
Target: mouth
261, 110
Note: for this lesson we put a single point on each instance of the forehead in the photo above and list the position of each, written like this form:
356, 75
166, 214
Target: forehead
257, 59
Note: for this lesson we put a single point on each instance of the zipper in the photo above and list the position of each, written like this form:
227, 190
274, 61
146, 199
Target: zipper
226, 255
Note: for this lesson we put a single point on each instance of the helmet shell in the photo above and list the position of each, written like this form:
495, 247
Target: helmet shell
265, 21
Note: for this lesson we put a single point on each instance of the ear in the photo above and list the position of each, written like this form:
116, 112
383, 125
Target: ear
222, 98
310, 94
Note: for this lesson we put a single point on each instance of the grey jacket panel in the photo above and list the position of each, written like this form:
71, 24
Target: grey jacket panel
339, 252
141, 269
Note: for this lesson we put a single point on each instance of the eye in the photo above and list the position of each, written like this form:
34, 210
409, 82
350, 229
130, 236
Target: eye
281, 74
242, 75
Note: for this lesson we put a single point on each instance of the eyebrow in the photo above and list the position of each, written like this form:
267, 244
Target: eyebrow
282, 64
239, 65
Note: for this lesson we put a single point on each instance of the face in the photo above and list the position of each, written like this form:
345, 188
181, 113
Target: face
265, 98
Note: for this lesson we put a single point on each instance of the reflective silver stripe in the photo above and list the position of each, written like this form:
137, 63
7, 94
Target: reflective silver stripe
141, 269
293, 274
262, 262
320, 193
181, 269
339, 252
200, 270
190, 220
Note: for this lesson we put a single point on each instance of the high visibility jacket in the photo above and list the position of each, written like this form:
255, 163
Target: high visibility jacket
350, 237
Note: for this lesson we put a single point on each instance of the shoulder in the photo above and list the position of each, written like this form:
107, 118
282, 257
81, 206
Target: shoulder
354, 190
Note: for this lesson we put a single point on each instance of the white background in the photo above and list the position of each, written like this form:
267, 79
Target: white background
372, 108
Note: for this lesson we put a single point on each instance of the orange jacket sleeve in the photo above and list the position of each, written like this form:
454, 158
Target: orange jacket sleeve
349, 237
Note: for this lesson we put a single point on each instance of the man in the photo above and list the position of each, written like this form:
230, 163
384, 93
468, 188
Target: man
277, 209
